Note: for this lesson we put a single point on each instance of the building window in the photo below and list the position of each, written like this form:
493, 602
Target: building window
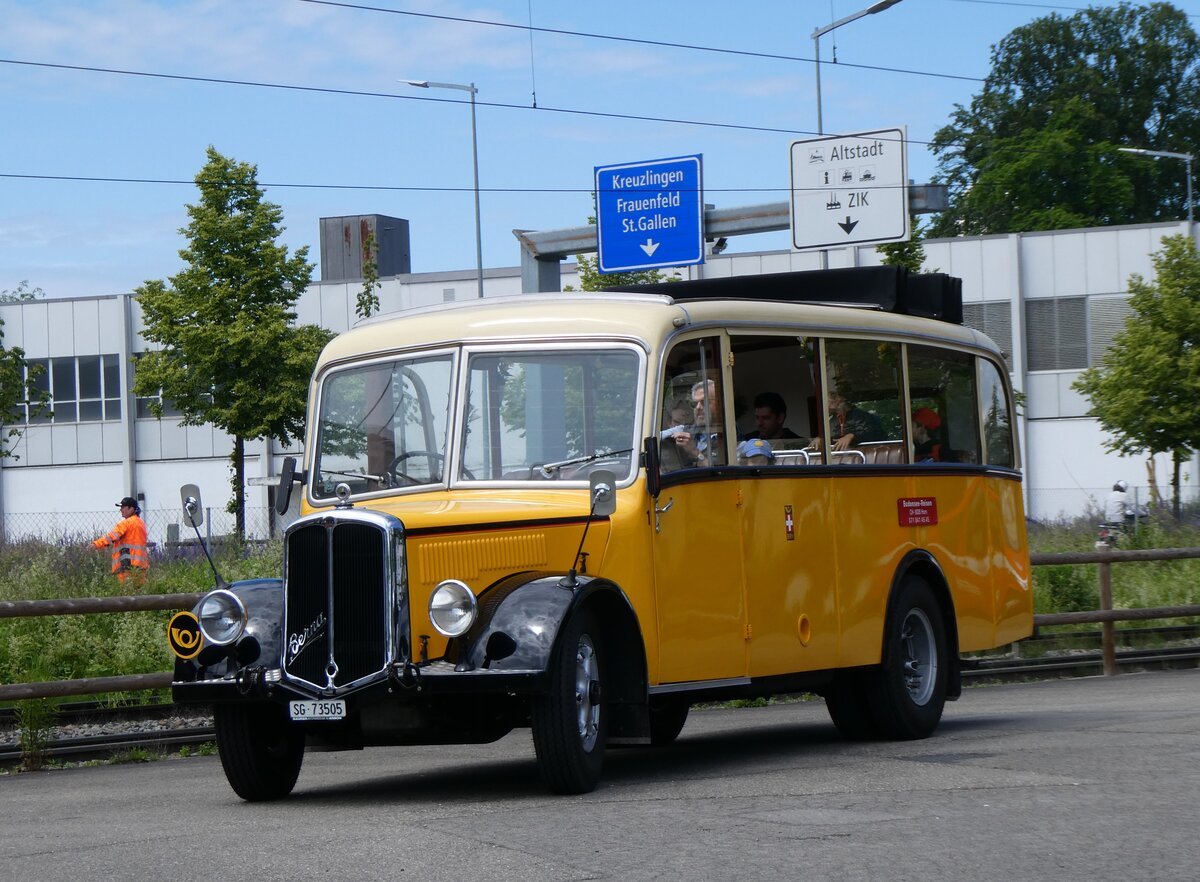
1106, 317
84, 389
447, 295
145, 403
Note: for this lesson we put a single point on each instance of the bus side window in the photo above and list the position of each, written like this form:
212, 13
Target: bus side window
692, 378
997, 418
944, 419
863, 395
772, 387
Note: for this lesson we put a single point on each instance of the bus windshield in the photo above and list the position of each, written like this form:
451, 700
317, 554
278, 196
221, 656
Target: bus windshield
384, 425
548, 414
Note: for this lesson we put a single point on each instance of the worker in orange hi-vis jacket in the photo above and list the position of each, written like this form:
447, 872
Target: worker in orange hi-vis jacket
131, 553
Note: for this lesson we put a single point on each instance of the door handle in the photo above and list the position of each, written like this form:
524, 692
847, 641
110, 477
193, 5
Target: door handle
660, 511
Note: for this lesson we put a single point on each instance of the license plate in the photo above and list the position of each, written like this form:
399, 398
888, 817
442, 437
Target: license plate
332, 709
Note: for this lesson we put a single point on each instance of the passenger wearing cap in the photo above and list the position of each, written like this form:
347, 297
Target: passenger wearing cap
131, 553
925, 425
755, 452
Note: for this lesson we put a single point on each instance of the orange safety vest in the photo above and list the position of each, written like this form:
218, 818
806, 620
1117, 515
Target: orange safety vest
128, 539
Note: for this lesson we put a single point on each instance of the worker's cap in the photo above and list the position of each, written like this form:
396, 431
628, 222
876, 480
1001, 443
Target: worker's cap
755, 447
128, 500
927, 418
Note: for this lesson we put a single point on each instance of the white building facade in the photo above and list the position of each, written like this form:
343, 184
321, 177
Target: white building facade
1052, 301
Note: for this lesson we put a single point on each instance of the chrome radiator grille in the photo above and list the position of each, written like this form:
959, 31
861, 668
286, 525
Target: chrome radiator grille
353, 556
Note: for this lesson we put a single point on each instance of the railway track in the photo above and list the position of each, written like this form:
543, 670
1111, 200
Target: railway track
95, 731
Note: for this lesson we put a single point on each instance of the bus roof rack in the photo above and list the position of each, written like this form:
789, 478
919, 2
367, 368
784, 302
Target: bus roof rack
890, 288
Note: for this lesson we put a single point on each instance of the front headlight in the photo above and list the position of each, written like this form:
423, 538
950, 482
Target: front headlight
452, 608
222, 617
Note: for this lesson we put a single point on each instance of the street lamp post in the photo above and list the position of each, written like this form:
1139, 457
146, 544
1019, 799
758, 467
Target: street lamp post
820, 32
1186, 157
470, 88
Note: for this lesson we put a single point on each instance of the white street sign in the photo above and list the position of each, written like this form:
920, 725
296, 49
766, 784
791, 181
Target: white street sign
848, 189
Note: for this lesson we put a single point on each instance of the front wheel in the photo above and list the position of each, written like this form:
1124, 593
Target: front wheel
909, 690
260, 751
570, 721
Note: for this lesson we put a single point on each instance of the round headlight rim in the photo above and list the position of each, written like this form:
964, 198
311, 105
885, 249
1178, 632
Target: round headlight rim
467, 596
235, 603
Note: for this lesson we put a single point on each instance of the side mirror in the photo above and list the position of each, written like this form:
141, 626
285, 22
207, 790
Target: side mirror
603, 485
287, 476
652, 463
193, 509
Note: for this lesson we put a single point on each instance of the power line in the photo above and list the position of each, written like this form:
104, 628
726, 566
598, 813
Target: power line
662, 44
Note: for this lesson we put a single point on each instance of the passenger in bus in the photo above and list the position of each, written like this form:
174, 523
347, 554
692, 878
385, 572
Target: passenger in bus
755, 452
770, 413
849, 425
926, 425
700, 444
678, 418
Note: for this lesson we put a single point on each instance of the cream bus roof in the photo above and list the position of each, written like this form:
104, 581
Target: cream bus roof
647, 318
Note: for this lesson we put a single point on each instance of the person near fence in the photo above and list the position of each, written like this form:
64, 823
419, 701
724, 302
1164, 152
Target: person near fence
130, 548
1115, 504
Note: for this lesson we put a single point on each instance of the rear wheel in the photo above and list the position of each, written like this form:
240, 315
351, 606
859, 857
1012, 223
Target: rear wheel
909, 691
260, 751
570, 722
666, 721
849, 707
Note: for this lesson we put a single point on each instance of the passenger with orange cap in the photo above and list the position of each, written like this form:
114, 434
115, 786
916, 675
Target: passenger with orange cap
925, 425
131, 552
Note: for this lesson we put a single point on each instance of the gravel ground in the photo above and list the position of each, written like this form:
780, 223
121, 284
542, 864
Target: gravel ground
10, 733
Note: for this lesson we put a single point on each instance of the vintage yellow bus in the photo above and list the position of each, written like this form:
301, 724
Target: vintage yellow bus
584, 512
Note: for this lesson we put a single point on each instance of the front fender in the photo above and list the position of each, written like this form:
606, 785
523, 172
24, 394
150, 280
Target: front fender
519, 622
261, 643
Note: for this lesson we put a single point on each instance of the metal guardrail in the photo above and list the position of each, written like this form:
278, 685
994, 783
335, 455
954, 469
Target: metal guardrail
11, 609
1103, 557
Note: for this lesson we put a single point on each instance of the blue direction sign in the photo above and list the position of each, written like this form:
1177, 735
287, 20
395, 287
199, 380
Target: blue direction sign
649, 214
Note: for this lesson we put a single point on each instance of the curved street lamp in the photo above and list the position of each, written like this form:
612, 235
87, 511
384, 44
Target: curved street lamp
1186, 157
466, 87
820, 32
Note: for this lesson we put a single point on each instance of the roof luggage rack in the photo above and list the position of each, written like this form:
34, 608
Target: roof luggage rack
890, 288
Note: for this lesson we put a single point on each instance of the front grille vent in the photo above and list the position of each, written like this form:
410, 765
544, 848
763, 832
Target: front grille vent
354, 555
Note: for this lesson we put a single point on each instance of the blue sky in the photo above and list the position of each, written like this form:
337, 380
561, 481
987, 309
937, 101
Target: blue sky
322, 150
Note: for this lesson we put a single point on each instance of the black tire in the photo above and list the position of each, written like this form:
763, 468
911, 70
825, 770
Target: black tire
908, 693
666, 721
849, 705
570, 721
260, 751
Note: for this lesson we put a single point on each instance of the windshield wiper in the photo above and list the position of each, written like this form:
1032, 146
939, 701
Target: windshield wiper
552, 467
353, 475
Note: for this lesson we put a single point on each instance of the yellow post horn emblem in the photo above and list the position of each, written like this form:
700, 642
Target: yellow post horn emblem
183, 634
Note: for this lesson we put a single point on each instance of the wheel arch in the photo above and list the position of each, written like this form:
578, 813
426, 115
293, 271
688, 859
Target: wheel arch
923, 565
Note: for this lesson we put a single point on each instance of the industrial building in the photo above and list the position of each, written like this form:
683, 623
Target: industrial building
1051, 300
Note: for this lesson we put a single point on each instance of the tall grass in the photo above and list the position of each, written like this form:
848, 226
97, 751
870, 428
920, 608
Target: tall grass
67, 647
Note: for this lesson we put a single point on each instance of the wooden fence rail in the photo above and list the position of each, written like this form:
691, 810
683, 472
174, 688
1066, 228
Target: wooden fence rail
1104, 557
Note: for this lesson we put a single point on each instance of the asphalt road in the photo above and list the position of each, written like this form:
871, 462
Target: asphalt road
1091, 779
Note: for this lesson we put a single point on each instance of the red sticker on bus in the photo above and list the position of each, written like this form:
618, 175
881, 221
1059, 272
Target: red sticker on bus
920, 512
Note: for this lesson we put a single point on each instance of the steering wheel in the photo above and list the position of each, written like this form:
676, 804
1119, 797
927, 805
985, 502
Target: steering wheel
397, 473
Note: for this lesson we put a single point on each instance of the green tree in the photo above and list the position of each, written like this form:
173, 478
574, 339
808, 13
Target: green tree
591, 279
18, 392
1037, 147
367, 302
21, 292
1146, 390
229, 352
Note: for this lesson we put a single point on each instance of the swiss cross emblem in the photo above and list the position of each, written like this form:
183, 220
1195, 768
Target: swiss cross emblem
789, 524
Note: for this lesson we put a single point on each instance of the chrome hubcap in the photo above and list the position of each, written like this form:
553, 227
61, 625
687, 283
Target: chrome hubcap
587, 693
919, 656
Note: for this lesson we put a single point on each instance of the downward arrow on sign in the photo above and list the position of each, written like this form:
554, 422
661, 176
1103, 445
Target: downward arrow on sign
849, 225
650, 247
